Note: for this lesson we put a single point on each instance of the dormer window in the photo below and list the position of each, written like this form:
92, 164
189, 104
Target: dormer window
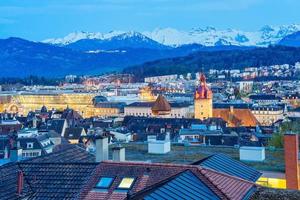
29, 145
126, 183
104, 182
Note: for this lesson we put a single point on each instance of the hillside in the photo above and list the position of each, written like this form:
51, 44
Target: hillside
20, 58
231, 59
292, 40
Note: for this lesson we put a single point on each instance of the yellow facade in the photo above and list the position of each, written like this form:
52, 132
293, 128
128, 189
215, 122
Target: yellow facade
82, 103
272, 182
203, 108
146, 94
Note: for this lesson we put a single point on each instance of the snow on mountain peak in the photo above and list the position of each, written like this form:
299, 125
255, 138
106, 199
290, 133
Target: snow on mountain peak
208, 36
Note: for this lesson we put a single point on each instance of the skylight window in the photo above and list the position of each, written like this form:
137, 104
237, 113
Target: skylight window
104, 182
126, 183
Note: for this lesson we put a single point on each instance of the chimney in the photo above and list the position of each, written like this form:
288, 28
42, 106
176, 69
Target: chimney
101, 148
20, 183
34, 122
231, 109
6, 152
15, 153
291, 151
118, 154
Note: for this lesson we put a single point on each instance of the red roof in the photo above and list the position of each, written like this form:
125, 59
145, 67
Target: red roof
203, 91
161, 106
149, 175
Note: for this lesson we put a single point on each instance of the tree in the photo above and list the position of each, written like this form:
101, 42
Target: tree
285, 127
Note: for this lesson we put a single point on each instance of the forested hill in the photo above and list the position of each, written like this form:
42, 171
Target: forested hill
233, 59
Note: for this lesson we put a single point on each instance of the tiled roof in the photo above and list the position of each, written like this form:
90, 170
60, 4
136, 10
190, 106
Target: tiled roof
149, 175
119, 105
73, 132
185, 186
50, 178
225, 164
232, 188
234, 105
56, 180
69, 156
57, 125
236, 117
66, 153
8, 182
264, 97
161, 104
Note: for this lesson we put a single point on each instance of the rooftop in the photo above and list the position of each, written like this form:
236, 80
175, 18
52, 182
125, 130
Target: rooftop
189, 154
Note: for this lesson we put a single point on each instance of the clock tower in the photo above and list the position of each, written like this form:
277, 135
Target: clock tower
203, 100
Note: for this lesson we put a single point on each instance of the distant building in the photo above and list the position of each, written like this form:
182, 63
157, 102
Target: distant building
108, 109
245, 86
144, 109
235, 115
73, 134
265, 98
156, 79
203, 100
267, 114
146, 94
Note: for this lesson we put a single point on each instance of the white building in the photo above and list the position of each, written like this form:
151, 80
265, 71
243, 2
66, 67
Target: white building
252, 153
245, 86
267, 114
157, 79
159, 146
143, 109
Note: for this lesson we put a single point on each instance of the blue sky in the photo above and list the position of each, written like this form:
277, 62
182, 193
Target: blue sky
41, 19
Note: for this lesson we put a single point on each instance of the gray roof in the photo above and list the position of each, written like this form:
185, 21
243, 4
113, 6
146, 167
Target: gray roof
185, 186
223, 163
73, 132
57, 175
187, 131
57, 125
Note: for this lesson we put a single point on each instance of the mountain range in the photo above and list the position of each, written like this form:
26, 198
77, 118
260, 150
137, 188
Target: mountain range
208, 36
83, 53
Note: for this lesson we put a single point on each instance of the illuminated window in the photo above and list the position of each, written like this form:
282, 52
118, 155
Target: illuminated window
104, 182
126, 183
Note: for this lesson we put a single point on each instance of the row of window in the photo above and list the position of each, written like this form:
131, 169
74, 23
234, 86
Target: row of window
106, 182
30, 154
147, 115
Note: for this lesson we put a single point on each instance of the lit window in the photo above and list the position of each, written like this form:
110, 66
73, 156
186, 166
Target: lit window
29, 145
126, 183
104, 182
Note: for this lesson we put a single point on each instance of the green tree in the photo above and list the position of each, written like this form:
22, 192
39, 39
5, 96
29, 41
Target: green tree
285, 127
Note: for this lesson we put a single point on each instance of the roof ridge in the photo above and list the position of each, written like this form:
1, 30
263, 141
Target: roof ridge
160, 183
151, 164
59, 163
227, 175
210, 179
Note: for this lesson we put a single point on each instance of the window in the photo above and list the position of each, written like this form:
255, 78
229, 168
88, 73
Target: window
104, 182
29, 145
126, 183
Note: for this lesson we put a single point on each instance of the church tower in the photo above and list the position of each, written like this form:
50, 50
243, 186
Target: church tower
203, 100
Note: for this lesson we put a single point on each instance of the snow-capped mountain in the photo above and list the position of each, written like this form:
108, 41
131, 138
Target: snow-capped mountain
208, 36
133, 40
75, 36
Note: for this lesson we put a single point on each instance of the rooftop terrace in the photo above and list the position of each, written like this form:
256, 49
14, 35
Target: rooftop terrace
188, 154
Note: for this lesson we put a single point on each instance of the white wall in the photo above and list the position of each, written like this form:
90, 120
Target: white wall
159, 147
252, 153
